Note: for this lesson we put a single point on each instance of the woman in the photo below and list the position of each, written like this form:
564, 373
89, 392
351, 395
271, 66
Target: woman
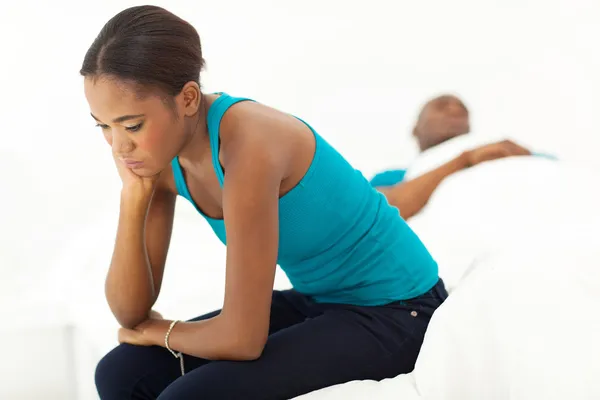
275, 192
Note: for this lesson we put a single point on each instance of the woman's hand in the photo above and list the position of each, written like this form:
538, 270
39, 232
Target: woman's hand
494, 151
148, 333
132, 181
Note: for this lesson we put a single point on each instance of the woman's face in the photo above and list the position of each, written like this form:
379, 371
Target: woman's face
144, 132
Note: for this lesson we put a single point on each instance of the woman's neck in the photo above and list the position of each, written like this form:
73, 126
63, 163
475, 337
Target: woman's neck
197, 149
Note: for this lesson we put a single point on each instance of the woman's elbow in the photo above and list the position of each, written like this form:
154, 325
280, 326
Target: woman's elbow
239, 353
129, 317
249, 353
129, 321
248, 348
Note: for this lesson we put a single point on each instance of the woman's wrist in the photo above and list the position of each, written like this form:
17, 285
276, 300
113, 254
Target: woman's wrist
155, 331
136, 199
137, 193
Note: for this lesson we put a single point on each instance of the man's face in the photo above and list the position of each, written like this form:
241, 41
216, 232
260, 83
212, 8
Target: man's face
441, 119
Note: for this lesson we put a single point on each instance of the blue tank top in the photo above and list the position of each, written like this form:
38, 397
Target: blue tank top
339, 239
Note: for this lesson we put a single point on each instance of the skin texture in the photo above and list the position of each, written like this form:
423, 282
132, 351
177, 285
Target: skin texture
264, 152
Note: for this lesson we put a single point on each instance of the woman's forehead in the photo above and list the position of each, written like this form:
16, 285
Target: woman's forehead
109, 99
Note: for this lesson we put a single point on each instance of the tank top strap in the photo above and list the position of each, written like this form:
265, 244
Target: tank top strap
213, 120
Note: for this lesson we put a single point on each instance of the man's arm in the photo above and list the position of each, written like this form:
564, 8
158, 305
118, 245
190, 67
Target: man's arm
411, 196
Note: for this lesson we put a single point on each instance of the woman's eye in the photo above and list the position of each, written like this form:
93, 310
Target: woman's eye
134, 128
101, 126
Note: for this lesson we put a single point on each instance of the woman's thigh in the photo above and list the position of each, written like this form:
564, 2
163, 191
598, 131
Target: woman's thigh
140, 372
342, 344
144, 372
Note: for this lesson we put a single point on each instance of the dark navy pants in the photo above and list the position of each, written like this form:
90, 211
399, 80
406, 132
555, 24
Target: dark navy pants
310, 346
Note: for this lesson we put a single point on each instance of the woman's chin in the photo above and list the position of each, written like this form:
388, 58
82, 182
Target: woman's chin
145, 172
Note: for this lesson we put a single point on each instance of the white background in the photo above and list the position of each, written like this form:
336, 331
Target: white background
358, 72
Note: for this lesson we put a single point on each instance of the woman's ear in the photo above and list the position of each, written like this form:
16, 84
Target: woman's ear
190, 98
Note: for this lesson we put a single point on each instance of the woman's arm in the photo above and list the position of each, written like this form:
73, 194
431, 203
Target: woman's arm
411, 196
254, 170
136, 270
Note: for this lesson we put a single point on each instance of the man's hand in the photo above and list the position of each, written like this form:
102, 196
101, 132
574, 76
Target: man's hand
494, 151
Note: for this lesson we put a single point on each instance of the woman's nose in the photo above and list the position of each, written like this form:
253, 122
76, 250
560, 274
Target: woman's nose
121, 144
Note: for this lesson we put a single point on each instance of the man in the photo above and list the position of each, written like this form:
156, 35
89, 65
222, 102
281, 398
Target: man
441, 119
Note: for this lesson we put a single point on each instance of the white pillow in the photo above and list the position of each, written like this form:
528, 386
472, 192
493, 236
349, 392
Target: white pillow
444, 152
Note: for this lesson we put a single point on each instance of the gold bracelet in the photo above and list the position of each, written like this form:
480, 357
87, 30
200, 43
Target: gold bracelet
176, 355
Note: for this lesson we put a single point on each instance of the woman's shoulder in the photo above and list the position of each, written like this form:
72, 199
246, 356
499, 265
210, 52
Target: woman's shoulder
251, 117
260, 128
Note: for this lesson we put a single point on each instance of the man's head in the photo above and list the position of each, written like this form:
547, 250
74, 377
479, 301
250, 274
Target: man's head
441, 119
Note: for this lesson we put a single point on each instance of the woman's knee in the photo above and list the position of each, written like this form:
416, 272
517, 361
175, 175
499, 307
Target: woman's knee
112, 374
129, 370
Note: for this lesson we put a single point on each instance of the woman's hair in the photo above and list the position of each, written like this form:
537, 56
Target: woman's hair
148, 46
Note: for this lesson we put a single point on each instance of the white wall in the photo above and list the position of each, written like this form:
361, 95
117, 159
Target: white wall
357, 71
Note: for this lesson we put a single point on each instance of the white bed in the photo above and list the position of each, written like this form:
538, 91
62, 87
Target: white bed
517, 244
517, 241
